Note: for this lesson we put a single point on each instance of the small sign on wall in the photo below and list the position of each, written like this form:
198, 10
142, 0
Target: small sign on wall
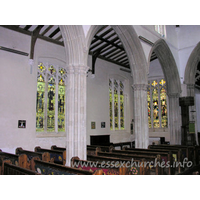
93, 125
103, 124
21, 123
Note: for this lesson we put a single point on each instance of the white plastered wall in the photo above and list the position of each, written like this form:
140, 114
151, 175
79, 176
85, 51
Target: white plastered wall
18, 91
98, 101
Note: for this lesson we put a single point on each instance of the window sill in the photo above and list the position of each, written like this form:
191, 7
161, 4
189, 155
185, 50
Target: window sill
158, 129
53, 134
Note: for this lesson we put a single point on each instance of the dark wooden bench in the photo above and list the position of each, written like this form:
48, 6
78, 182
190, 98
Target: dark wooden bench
58, 156
197, 154
190, 151
54, 147
142, 169
195, 170
91, 149
176, 155
18, 160
122, 144
47, 168
165, 157
185, 151
149, 159
9, 169
92, 166
45, 156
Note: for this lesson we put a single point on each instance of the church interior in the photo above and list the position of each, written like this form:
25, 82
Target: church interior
99, 100
110, 91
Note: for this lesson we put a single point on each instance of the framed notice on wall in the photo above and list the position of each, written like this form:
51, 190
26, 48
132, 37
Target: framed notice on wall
21, 123
93, 125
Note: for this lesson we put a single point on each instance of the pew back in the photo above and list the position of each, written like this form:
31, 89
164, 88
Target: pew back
47, 168
59, 157
9, 169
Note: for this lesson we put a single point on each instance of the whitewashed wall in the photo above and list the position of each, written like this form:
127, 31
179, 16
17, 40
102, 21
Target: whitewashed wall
98, 102
18, 91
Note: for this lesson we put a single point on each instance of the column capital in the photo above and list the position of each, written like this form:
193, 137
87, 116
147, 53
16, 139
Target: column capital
173, 95
190, 86
137, 87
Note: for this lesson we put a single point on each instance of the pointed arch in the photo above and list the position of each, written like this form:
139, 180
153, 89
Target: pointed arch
172, 78
74, 42
190, 70
133, 48
168, 65
138, 66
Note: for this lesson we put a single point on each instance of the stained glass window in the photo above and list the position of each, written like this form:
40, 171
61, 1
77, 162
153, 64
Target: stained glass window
50, 105
61, 101
149, 105
40, 103
157, 104
116, 99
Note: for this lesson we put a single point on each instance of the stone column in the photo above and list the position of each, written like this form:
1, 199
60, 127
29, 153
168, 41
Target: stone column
192, 114
174, 119
76, 112
141, 116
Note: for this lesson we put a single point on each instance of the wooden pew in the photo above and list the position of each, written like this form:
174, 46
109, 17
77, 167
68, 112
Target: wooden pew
143, 158
92, 166
187, 151
9, 169
176, 155
47, 168
142, 169
59, 157
54, 147
197, 154
195, 170
30, 154
122, 144
18, 160
165, 156
184, 151
91, 149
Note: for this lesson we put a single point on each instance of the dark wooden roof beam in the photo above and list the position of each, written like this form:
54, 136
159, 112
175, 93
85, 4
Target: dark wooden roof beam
121, 58
121, 53
102, 35
100, 42
27, 27
111, 42
112, 61
105, 45
46, 30
54, 32
111, 52
59, 37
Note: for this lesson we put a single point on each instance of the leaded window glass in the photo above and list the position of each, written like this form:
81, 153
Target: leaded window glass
157, 104
50, 105
116, 102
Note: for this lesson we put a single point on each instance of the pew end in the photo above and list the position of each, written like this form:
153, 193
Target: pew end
36, 148
18, 149
53, 146
98, 172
